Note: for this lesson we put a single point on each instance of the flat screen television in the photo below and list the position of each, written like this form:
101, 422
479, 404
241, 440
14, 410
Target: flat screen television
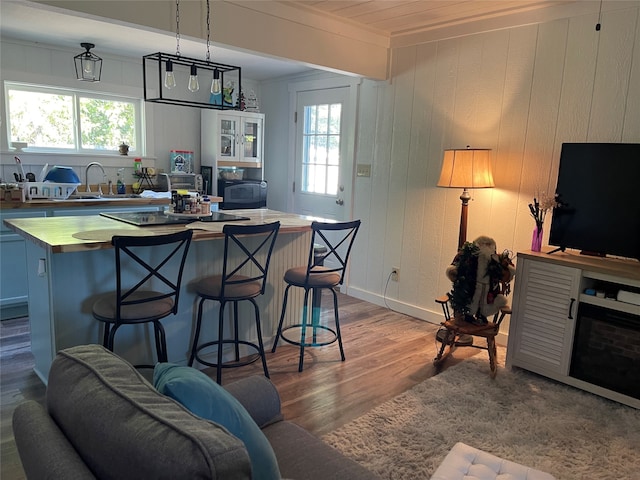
599, 194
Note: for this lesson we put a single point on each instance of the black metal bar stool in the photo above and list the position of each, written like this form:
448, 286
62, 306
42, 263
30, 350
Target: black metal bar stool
324, 270
157, 286
247, 254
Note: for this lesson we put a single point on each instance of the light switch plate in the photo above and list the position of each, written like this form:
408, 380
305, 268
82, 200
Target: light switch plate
363, 170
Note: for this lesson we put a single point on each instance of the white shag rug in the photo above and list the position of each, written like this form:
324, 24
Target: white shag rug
518, 416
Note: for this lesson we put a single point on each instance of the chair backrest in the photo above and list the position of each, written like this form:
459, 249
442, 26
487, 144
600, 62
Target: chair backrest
247, 253
337, 238
154, 269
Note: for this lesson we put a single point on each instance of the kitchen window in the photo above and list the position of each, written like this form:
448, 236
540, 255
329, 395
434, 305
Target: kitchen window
53, 119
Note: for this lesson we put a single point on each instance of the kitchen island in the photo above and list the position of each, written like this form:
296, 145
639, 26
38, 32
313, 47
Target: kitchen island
70, 262
14, 294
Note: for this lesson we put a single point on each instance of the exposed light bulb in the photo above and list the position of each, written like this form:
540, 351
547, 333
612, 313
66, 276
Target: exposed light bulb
88, 66
194, 86
215, 83
169, 77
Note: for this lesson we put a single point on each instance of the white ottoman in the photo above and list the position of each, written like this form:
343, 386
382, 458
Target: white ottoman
468, 463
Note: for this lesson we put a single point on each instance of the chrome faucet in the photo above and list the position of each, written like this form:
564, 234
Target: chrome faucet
86, 174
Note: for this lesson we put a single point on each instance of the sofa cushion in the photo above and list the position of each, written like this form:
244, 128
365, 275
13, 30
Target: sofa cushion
205, 398
123, 428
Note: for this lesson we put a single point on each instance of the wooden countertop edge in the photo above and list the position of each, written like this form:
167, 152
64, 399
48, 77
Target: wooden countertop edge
198, 235
611, 266
78, 245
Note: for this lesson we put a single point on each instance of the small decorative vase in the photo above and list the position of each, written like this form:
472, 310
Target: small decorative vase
123, 149
536, 239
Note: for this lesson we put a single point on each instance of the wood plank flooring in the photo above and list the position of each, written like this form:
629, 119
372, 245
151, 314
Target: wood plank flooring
386, 354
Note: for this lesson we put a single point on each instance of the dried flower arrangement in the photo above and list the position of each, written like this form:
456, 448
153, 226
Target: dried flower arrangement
539, 208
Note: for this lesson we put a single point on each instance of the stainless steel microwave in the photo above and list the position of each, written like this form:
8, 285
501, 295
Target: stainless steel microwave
180, 181
242, 193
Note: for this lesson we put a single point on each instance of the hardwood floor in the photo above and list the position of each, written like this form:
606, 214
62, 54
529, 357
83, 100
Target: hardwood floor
386, 354
17, 383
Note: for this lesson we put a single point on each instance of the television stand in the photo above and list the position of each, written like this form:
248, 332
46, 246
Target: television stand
557, 325
559, 249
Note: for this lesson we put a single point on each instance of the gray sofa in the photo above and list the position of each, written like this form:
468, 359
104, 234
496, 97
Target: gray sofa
104, 420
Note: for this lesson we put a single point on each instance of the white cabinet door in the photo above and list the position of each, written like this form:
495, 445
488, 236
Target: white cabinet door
251, 141
14, 292
543, 320
228, 138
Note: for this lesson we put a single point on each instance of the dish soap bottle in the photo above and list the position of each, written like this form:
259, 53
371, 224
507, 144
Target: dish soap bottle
120, 184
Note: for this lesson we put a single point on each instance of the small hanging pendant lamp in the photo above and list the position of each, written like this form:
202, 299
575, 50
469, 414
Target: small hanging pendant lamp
88, 65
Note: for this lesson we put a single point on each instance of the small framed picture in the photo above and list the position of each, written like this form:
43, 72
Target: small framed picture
207, 179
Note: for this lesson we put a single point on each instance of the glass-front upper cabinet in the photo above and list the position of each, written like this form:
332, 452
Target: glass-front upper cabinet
232, 139
252, 140
228, 133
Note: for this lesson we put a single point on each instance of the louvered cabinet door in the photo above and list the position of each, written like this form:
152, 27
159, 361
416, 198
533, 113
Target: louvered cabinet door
543, 321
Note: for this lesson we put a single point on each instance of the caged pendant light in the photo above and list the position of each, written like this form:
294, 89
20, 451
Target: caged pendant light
88, 65
175, 79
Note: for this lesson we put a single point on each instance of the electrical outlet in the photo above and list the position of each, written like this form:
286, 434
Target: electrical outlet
395, 274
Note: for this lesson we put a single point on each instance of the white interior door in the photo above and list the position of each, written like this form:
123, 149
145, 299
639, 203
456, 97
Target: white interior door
323, 160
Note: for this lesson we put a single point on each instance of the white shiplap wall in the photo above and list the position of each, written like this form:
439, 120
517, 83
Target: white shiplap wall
522, 92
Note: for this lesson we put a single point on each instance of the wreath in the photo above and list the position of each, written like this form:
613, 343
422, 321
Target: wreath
498, 270
464, 285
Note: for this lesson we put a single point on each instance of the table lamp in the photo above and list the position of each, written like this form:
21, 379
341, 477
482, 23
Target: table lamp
466, 168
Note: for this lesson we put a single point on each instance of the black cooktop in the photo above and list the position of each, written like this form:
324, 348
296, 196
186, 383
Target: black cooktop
142, 219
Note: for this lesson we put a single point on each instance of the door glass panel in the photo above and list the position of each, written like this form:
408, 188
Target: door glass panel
321, 148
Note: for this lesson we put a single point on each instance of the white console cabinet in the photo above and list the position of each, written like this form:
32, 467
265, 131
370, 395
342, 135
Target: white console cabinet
549, 295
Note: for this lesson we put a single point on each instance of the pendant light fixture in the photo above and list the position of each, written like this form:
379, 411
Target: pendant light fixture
88, 64
175, 79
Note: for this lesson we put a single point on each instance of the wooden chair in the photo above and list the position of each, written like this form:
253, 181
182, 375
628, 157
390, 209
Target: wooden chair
455, 332
247, 254
154, 266
326, 266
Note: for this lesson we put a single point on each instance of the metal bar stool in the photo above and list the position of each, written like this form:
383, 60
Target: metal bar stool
324, 270
247, 254
156, 289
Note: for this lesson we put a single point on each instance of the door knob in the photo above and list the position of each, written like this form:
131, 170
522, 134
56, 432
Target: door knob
340, 201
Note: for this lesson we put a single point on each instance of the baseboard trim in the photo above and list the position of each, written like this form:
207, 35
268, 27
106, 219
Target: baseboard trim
432, 316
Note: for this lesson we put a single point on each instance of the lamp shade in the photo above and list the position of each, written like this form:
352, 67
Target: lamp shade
466, 168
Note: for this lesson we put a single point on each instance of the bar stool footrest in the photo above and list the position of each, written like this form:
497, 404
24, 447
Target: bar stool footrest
253, 357
324, 328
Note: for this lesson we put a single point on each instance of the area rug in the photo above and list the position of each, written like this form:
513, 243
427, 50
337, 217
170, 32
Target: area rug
518, 416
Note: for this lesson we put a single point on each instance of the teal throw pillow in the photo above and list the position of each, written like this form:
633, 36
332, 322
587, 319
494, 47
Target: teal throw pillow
205, 398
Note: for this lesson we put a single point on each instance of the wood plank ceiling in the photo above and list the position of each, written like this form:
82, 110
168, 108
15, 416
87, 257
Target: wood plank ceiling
402, 17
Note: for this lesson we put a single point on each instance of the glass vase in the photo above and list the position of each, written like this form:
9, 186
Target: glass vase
536, 239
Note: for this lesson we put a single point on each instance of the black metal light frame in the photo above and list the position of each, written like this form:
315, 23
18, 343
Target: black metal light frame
153, 68
85, 57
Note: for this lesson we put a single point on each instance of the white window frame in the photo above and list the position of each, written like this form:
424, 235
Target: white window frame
138, 104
